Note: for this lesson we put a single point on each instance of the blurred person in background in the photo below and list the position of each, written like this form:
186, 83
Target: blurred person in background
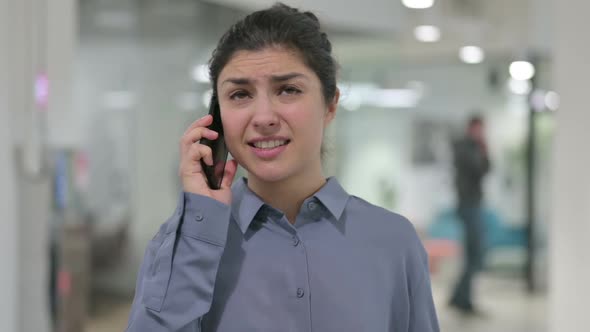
471, 165
285, 249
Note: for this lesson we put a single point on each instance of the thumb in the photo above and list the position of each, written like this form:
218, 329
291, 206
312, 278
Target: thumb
231, 168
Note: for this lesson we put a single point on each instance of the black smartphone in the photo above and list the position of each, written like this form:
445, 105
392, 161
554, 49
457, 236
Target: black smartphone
214, 174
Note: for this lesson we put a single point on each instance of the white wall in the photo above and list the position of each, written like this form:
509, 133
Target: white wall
8, 213
64, 121
570, 222
24, 202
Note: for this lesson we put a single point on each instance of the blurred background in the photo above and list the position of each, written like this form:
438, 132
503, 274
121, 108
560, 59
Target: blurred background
95, 94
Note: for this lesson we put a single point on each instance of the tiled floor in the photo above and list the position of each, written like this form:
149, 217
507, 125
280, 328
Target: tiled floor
110, 315
507, 309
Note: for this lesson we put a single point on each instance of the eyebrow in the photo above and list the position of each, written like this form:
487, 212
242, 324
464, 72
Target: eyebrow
274, 78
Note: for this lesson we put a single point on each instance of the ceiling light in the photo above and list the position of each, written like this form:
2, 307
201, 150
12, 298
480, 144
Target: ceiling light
427, 33
552, 100
395, 98
519, 87
418, 4
537, 100
471, 54
200, 73
207, 97
522, 70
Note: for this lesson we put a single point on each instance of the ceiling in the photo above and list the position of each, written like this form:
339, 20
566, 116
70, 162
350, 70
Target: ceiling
383, 29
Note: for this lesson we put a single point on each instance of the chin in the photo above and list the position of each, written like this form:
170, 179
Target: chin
269, 173
269, 176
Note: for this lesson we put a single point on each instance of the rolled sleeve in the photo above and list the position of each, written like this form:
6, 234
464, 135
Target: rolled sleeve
177, 277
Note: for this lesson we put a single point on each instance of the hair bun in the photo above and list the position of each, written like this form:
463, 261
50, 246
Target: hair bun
312, 16
326, 42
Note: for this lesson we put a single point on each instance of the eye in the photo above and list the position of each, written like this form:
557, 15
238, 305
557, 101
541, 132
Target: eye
289, 90
239, 95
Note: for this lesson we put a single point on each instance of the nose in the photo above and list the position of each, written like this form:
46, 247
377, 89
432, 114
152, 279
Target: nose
265, 116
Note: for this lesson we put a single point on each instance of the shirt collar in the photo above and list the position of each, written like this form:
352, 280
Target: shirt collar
246, 204
333, 197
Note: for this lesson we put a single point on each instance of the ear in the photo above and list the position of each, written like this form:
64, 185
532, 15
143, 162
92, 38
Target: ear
332, 108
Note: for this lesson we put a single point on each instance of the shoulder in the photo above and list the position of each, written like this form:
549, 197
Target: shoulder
388, 234
378, 214
382, 222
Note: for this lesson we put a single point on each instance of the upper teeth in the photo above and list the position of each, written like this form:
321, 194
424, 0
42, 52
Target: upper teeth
269, 144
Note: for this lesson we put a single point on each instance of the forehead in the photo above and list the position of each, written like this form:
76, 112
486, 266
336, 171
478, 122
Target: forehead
264, 63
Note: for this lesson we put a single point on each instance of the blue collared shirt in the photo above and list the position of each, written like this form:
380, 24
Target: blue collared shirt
345, 265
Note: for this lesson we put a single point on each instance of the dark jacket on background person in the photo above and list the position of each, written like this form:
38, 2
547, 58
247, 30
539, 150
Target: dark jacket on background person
471, 165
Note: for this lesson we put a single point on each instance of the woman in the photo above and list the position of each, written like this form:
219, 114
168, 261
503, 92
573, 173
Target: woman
286, 249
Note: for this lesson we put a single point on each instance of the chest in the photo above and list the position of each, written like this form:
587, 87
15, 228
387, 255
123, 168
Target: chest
317, 278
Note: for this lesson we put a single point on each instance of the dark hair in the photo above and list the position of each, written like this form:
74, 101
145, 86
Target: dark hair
475, 120
279, 26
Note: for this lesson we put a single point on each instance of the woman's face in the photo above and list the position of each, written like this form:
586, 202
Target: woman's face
273, 113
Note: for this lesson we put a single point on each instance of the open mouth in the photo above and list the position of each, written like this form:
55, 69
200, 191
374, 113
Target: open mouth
267, 145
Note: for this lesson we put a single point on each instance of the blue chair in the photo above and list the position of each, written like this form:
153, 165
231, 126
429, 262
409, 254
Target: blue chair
446, 225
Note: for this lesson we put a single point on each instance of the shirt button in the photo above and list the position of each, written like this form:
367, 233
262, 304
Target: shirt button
311, 205
300, 292
295, 241
199, 216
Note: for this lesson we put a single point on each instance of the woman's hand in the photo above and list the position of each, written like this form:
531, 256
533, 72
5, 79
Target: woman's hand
190, 170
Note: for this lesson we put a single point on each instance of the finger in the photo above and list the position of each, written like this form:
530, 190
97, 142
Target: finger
231, 168
200, 151
193, 156
196, 135
201, 132
205, 121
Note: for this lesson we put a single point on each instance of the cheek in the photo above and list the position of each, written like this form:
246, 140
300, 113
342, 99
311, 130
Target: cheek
233, 129
310, 128
313, 120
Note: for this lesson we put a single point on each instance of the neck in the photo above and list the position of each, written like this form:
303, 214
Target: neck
287, 195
